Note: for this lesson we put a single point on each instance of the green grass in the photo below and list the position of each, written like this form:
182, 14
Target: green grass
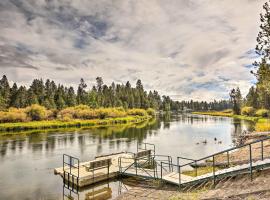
200, 171
228, 114
262, 124
54, 124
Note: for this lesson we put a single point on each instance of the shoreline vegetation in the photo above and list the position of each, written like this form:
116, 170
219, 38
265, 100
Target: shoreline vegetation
262, 123
38, 117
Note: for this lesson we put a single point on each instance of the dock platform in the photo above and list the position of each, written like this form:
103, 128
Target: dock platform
145, 163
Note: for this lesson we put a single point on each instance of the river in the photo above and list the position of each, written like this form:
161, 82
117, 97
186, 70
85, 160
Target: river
27, 160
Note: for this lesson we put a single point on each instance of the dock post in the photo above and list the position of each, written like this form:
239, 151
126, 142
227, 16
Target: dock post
262, 148
136, 166
228, 159
196, 168
179, 169
161, 171
214, 176
250, 161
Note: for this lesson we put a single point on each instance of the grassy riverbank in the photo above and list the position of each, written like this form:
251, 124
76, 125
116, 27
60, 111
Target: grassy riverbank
227, 114
53, 124
38, 117
262, 124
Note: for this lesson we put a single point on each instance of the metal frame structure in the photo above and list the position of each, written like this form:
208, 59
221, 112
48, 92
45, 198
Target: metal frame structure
214, 177
70, 163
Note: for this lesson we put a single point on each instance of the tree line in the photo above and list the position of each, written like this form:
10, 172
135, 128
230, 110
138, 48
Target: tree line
57, 96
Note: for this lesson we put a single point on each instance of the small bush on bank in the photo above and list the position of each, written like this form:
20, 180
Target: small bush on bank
151, 112
36, 112
137, 111
13, 115
262, 113
248, 111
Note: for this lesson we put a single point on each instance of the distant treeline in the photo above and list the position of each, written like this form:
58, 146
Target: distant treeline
52, 96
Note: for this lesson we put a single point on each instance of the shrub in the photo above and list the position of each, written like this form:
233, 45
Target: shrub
262, 113
36, 112
86, 114
151, 111
137, 111
248, 111
13, 115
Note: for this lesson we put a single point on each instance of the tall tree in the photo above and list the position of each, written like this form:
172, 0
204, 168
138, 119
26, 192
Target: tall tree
236, 99
4, 92
81, 93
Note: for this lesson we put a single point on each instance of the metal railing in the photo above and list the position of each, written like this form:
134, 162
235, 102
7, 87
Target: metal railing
69, 164
212, 160
146, 146
148, 164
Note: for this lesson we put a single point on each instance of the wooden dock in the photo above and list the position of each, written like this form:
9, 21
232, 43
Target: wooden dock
146, 164
87, 177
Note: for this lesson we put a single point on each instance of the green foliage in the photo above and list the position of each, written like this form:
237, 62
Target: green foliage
13, 115
248, 111
54, 96
151, 112
139, 112
36, 112
236, 99
262, 113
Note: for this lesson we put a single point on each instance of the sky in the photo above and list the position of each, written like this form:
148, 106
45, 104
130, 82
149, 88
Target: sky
187, 49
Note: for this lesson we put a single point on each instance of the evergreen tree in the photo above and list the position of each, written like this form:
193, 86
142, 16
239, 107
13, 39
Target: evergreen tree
4, 92
236, 99
81, 93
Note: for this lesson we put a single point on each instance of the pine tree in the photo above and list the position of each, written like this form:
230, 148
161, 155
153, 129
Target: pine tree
4, 92
81, 93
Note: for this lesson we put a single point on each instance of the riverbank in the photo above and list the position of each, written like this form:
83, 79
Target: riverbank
228, 114
53, 124
262, 124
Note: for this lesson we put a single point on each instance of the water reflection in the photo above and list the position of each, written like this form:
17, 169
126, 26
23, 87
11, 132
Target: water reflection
26, 157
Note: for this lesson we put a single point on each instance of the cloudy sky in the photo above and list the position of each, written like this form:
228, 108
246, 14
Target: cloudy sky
183, 48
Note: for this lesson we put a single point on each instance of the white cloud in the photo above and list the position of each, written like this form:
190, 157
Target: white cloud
187, 49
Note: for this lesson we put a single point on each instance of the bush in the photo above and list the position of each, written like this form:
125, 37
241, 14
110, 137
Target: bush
86, 114
262, 113
36, 112
151, 111
137, 111
248, 111
13, 115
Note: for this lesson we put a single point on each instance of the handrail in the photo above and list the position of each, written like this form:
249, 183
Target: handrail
212, 156
227, 150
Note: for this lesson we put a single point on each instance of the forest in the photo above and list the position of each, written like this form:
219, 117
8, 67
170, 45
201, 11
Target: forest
57, 96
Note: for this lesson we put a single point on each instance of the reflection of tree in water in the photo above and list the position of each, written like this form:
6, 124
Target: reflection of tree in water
37, 141
115, 135
240, 127
166, 118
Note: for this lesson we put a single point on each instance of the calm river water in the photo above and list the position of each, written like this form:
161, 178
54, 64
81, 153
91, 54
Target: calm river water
27, 160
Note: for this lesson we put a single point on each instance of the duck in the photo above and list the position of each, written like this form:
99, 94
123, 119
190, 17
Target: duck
204, 142
219, 142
